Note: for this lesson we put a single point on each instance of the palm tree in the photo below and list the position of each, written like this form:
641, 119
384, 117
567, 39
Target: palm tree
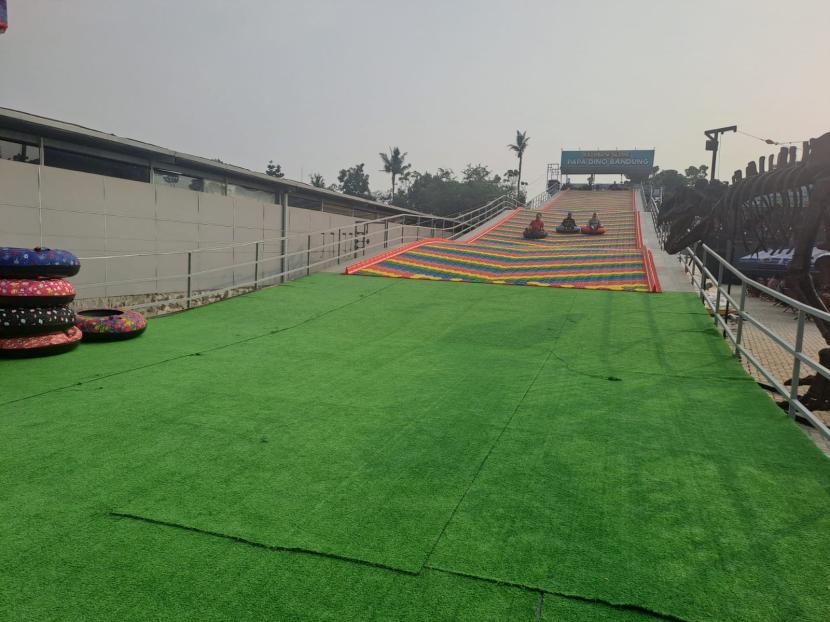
522, 139
394, 163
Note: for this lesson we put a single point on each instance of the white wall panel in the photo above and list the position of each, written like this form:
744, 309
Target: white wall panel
18, 184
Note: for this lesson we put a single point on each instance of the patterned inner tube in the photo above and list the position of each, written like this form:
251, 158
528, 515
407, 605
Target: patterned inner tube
24, 263
19, 321
110, 324
40, 345
35, 292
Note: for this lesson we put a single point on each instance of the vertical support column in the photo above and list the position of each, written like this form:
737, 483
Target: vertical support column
256, 265
339, 246
189, 277
717, 296
308, 256
796, 377
284, 235
740, 330
385, 234
41, 146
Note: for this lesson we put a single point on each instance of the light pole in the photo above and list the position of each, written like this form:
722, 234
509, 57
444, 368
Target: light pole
712, 144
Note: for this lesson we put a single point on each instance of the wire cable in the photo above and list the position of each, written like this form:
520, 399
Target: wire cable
769, 141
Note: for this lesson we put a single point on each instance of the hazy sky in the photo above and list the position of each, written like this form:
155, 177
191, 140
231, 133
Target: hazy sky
318, 86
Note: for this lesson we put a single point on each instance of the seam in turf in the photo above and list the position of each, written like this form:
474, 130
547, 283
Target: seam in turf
380, 566
199, 352
501, 433
539, 606
568, 595
261, 545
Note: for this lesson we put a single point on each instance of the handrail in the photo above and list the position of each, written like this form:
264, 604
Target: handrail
346, 243
713, 303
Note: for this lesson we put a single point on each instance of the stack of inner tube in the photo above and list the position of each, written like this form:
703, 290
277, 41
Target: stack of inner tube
34, 317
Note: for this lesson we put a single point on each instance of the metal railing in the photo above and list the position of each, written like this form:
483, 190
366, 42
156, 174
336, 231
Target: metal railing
652, 204
264, 262
698, 259
540, 199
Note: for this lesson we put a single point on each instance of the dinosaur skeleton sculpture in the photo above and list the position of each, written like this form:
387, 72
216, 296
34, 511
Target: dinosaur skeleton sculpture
786, 207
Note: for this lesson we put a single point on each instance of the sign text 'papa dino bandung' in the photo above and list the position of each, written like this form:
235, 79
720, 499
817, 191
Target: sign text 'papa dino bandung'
637, 162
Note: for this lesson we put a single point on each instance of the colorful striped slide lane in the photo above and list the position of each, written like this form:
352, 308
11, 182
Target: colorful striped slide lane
501, 255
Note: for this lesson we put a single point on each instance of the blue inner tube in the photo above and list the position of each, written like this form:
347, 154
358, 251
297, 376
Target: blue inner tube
20, 321
17, 263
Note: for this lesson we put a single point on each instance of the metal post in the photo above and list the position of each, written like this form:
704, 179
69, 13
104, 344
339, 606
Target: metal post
308, 256
717, 296
339, 246
418, 228
385, 234
256, 265
799, 341
403, 226
284, 234
739, 331
189, 277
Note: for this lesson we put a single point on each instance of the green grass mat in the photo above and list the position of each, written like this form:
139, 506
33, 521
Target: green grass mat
178, 335
98, 568
639, 484
352, 417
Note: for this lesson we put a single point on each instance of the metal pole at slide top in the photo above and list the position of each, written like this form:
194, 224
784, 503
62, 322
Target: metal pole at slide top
308, 257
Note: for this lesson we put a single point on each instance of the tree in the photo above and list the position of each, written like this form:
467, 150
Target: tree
479, 172
317, 180
274, 170
394, 163
444, 174
670, 181
522, 139
693, 173
354, 181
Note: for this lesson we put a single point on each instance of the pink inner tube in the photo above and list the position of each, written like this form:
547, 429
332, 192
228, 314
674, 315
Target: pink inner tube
40, 344
35, 292
110, 324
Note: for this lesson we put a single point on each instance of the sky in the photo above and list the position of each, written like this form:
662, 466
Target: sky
318, 86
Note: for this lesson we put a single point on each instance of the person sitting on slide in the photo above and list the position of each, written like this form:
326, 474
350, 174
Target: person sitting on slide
536, 229
568, 225
594, 225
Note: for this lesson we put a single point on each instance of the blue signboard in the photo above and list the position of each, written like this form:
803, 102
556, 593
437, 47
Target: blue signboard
4, 17
634, 163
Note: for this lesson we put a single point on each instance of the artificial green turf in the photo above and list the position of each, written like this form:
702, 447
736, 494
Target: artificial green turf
596, 444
